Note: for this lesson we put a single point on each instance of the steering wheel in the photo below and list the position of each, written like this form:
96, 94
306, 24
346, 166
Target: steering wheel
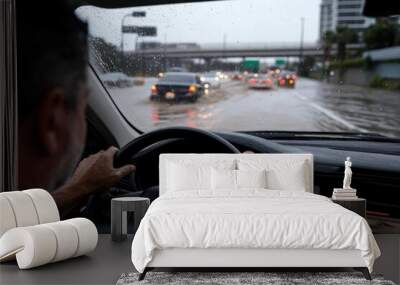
98, 204
128, 153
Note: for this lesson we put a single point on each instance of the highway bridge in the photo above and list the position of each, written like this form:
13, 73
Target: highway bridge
240, 50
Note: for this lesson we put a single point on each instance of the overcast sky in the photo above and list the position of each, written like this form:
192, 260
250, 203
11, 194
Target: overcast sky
239, 21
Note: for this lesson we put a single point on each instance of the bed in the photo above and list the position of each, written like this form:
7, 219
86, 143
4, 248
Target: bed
247, 211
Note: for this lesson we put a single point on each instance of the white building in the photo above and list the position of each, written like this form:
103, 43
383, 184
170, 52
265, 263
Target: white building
334, 13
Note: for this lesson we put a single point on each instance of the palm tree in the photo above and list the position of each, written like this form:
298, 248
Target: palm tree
328, 39
344, 36
384, 33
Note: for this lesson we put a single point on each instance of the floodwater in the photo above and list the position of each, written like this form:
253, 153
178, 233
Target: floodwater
310, 106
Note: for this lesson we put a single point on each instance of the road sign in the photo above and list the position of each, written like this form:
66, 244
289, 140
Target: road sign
251, 65
279, 61
142, 31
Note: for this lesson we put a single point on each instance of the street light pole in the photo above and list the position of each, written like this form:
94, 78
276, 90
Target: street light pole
135, 14
223, 51
165, 52
122, 41
301, 45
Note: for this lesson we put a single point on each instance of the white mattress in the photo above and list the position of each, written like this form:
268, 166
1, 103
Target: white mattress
251, 219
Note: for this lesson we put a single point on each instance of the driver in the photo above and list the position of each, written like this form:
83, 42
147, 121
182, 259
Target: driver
52, 97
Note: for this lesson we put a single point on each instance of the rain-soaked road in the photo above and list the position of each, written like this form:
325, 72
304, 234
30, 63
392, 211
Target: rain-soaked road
311, 106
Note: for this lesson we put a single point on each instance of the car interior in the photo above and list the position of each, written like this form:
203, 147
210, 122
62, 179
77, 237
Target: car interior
377, 166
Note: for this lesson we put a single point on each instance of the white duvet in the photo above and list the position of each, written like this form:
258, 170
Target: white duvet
250, 219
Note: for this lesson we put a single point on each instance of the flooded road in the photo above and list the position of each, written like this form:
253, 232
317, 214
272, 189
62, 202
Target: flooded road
311, 106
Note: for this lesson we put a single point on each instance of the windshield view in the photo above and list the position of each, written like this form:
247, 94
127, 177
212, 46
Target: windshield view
315, 65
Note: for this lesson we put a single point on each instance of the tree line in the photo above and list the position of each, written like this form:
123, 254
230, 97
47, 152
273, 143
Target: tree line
384, 33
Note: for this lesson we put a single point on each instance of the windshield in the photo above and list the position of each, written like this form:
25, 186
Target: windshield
345, 67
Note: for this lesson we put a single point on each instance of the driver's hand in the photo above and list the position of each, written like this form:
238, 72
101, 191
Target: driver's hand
97, 171
93, 174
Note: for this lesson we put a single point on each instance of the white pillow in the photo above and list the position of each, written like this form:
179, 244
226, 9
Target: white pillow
288, 177
191, 174
251, 178
223, 179
184, 178
281, 174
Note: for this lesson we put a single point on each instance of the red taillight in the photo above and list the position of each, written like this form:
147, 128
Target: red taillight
282, 82
267, 81
192, 88
253, 81
153, 89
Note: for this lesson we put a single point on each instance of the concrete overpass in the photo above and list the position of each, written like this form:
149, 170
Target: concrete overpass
240, 50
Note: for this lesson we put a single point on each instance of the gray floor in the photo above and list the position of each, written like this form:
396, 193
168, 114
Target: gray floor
106, 264
103, 266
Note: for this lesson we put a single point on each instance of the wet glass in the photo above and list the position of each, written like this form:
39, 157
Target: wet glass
340, 83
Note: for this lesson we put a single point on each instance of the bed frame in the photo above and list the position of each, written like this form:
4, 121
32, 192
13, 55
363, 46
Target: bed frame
246, 259
234, 259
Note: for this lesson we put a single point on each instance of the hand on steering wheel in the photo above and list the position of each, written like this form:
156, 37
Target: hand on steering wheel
126, 155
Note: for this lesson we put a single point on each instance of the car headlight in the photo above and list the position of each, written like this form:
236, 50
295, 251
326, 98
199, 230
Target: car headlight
192, 88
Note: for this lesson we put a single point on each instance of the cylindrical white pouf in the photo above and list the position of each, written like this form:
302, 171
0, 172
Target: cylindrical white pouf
87, 234
34, 246
23, 208
7, 218
37, 245
45, 205
67, 240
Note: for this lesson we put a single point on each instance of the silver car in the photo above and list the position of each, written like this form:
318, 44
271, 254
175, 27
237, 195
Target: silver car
117, 79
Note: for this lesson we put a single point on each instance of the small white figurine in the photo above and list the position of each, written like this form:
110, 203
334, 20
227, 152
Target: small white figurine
347, 174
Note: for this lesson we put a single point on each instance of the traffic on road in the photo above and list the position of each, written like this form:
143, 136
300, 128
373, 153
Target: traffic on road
310, 105
175, 86
181, 69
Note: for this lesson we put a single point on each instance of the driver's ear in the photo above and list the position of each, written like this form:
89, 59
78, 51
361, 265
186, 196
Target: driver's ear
53, 123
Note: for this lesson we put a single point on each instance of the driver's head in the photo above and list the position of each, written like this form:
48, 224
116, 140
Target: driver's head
51, 68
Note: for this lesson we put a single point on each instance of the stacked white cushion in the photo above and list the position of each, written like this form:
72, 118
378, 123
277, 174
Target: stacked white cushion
67, 240
87, 234
7, 218
31, 231
45, 205
32, 246
41, 244
24, 210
